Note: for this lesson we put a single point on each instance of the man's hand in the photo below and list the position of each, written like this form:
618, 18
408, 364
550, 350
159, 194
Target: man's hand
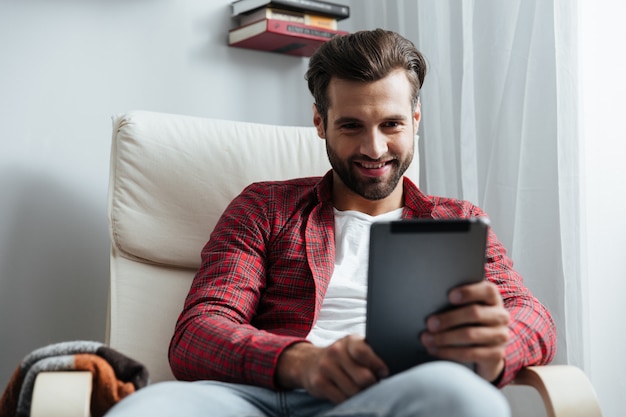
336, 372
476, 330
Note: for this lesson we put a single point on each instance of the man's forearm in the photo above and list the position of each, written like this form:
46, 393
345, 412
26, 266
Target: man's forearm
211, 348
290, 364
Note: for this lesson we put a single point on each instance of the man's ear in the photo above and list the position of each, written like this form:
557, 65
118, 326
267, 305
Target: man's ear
417, 116
318, 121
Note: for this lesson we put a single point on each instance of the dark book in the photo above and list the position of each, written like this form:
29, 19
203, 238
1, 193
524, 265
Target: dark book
289, 15
324, 8
281, 36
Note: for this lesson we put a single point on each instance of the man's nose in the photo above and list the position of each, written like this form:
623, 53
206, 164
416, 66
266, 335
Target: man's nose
374, 144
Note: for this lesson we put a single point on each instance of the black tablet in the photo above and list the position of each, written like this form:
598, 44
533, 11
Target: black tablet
413, 264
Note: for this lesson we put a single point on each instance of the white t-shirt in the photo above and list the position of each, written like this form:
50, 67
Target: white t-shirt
344, 306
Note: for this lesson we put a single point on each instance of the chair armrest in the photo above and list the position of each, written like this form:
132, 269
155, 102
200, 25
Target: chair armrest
566, 391
62, 394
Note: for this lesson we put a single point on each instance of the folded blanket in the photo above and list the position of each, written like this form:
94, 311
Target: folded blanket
115, 376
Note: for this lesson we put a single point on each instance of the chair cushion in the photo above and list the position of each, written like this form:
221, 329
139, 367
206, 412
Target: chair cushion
172, 176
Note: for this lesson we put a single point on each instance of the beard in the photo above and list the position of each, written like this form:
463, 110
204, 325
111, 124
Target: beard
367, 187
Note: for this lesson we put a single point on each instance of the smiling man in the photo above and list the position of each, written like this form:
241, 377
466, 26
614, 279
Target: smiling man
370, 140
274, 321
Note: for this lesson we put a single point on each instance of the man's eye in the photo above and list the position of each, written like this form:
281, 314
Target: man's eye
392, 124
350, 126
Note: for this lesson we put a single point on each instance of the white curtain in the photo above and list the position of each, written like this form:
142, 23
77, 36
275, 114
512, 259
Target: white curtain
499, 128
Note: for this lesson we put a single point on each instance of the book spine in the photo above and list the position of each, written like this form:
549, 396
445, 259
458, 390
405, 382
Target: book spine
302, 30
290, 16
337, 11
316, 6
281, 36
309, 31
320, 21
271, 13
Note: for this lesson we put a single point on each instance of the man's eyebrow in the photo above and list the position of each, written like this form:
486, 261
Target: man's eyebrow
396, 117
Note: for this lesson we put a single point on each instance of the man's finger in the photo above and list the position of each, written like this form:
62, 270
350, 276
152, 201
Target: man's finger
364, 356
469, 336
483, 292
469, 315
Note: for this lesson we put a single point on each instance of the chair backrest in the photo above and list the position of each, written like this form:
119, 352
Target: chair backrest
171, 177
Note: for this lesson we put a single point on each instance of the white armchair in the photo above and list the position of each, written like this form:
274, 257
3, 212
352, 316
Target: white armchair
171, 178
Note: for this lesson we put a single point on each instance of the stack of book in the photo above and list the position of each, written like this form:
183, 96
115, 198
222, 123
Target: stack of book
293, 27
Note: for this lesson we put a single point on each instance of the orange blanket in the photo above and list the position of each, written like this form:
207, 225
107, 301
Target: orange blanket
115, 375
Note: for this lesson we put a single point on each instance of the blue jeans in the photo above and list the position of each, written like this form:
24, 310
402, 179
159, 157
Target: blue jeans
436, 389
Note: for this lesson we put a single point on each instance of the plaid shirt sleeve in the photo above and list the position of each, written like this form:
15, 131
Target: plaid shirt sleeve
217, 335
531, 328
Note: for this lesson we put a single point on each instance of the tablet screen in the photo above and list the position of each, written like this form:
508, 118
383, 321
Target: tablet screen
413, 264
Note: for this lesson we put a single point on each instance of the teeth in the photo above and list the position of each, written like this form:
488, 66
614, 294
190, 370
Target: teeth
373, 166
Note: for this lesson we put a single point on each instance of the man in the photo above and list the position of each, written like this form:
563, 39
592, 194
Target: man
273, 322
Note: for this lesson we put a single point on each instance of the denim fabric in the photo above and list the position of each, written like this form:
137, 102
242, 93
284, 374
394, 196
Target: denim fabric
435, 389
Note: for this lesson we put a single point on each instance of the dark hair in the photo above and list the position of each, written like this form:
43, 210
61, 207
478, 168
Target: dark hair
367, 55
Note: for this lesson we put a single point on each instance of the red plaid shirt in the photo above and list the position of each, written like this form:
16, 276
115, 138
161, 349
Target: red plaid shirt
265, 271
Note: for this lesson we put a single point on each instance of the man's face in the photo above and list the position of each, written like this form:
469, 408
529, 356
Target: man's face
370, 134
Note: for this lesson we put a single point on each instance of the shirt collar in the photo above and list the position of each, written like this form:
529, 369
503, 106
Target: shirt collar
420, 204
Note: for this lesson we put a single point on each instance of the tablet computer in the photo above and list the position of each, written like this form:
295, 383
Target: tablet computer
413, 265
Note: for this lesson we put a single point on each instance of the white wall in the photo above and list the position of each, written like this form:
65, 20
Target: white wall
65, 67
603, 92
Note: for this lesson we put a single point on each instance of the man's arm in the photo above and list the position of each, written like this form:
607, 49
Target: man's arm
214, 336
532, 330
499, 325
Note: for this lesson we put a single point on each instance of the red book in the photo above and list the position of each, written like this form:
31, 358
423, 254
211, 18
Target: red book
281, 36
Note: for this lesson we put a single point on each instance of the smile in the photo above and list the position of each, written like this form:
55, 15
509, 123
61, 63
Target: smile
372, 165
